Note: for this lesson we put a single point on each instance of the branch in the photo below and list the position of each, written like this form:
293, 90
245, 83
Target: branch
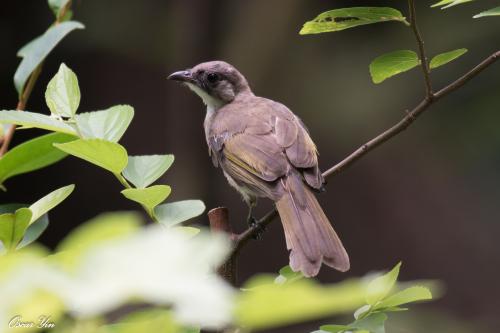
26, 93
421, 49
412, 115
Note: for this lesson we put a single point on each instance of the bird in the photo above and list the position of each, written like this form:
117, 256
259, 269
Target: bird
265, 150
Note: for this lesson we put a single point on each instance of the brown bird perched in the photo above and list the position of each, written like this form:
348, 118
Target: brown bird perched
265, 150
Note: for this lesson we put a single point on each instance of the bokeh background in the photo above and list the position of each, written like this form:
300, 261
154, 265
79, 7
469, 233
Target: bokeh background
430, 197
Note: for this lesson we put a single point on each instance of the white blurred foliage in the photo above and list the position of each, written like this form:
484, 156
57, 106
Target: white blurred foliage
156, 265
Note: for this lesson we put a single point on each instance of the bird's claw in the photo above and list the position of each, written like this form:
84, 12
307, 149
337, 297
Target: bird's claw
258, 228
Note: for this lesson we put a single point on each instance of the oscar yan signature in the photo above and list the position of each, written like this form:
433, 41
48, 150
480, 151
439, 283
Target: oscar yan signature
43, 322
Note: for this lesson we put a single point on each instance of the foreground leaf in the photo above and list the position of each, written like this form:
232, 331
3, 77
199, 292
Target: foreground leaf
492, 12
149, 197
35, 51
265, 304
173, 213
142, 171
345, 18
380, 287
50, 201
392, 63
32, 119
108, 124
57, 6
412, 294
444, 58
105, 154
32, 155
63, 94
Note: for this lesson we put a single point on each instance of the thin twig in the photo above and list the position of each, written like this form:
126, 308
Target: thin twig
26, 93
378, 140
421, 50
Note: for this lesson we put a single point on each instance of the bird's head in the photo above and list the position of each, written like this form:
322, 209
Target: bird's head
216, 82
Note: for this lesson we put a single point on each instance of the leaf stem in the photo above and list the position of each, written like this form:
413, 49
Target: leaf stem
423, 58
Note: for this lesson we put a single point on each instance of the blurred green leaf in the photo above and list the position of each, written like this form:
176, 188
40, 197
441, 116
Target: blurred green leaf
265, 304
32, 119
408, 295
380, 287
154, 320
392, 63
35, 51
108, 124
345, 18
492, 12
287, 275
101, 228
373, 323
334, 328
13, 226
150, 197
444, 58
49, 201
449, 3
105, 154
142, 171
32, 155
173, 213
63, 94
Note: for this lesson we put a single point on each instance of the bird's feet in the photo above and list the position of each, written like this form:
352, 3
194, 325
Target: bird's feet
259, 229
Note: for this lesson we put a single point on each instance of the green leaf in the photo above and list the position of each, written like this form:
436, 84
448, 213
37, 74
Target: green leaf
49, 201
36, 51
32, 155
380, 287
373, 323
405, 296
108, 155
265, 304
173, 213
108, 124
362, 311
150, 197
63, 94
449, 3
142, 171
345, 18
32, 119
34, 231
335, 328
13, 226
392, 63
287, 275
444, 58
492, 12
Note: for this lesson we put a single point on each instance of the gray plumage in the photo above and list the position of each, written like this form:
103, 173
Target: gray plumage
266, 151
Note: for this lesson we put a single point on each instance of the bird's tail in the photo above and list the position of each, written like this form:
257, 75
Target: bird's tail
309, 235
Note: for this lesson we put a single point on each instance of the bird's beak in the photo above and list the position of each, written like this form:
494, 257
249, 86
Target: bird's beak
181, 76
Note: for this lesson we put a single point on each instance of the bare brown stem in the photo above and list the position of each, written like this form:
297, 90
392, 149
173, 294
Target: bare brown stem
219, 222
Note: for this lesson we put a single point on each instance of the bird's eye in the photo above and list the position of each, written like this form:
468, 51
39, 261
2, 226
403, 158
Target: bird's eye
212, 77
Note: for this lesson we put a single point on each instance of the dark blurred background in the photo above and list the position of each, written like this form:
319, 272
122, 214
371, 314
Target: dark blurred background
429, 197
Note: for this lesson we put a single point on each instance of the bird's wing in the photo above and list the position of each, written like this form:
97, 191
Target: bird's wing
264, 141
